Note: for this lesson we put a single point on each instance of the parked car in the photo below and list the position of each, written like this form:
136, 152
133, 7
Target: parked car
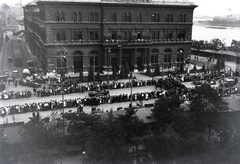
98, 93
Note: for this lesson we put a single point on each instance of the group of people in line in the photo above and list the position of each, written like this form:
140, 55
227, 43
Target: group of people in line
168, 86
72, 87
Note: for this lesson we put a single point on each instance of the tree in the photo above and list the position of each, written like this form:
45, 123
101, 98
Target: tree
203, 68
43, 142
104, 139
163, 108
91, 76
156, 70
182, 68
132, 125
127, 69
3, 152
205, 108
98, 75
107, 143
235, 46
162, 144
194, 68
148, 69
218, 65
81, 75
123, 73
114, 72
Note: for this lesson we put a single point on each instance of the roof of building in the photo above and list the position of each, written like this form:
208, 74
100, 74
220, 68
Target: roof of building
154, 2
144, 114
230, 53
11, 132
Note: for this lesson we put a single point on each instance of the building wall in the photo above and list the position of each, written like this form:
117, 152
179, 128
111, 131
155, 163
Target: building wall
103, 40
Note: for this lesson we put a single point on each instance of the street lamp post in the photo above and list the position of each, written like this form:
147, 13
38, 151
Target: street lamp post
83, 153
63, 57
130, 81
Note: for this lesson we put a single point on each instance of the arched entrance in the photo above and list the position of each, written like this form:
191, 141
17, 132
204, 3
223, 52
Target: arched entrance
126, 58
139, 63
114, 63
94, 60
78, 61
154, 57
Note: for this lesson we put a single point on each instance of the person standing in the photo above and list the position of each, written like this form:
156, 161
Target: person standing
13, 117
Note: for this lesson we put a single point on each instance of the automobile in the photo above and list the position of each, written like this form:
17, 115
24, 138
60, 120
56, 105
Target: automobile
10, 59
30, 63
6, 73
15, 74
98, 93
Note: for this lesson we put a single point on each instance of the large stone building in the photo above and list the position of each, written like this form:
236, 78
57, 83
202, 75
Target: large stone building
108, 33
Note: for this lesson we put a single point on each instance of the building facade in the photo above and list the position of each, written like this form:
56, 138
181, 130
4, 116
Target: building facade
109, 33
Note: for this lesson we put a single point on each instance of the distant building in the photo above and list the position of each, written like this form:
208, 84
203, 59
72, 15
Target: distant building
17, 11
108, 33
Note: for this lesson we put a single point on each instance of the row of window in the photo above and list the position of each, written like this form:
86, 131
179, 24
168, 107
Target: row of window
125, 35
126, 17
167, 58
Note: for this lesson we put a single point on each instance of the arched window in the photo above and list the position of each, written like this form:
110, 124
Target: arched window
157, 17
167, 18
154, 56
124, 35
153, 18
57, 16
94, 59
61, 63
57, 36
95, 17
114, 17
180, 55
74, 35
171, 18
63, 36
79, 17
91, 35
91, 18
153, 35
157, 35
79, 36
124, 17
169, 35
139, 17
62, 16
129, 17
74, 17
167, 57
96, 35
184, 17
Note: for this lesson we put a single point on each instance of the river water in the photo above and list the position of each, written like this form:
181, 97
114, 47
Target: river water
200, 32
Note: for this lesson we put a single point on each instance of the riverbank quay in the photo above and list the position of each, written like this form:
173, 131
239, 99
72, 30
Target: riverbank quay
228, 56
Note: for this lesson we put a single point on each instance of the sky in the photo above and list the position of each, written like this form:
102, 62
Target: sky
205, 7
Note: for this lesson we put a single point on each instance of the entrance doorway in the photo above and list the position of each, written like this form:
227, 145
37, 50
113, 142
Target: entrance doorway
78, 61
126, 58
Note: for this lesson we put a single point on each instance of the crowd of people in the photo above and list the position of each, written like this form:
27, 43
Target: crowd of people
169, 85
87, 101
73, 87
5, 95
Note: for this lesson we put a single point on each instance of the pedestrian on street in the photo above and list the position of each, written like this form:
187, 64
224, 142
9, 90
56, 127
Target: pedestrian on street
13, 117
16, 83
